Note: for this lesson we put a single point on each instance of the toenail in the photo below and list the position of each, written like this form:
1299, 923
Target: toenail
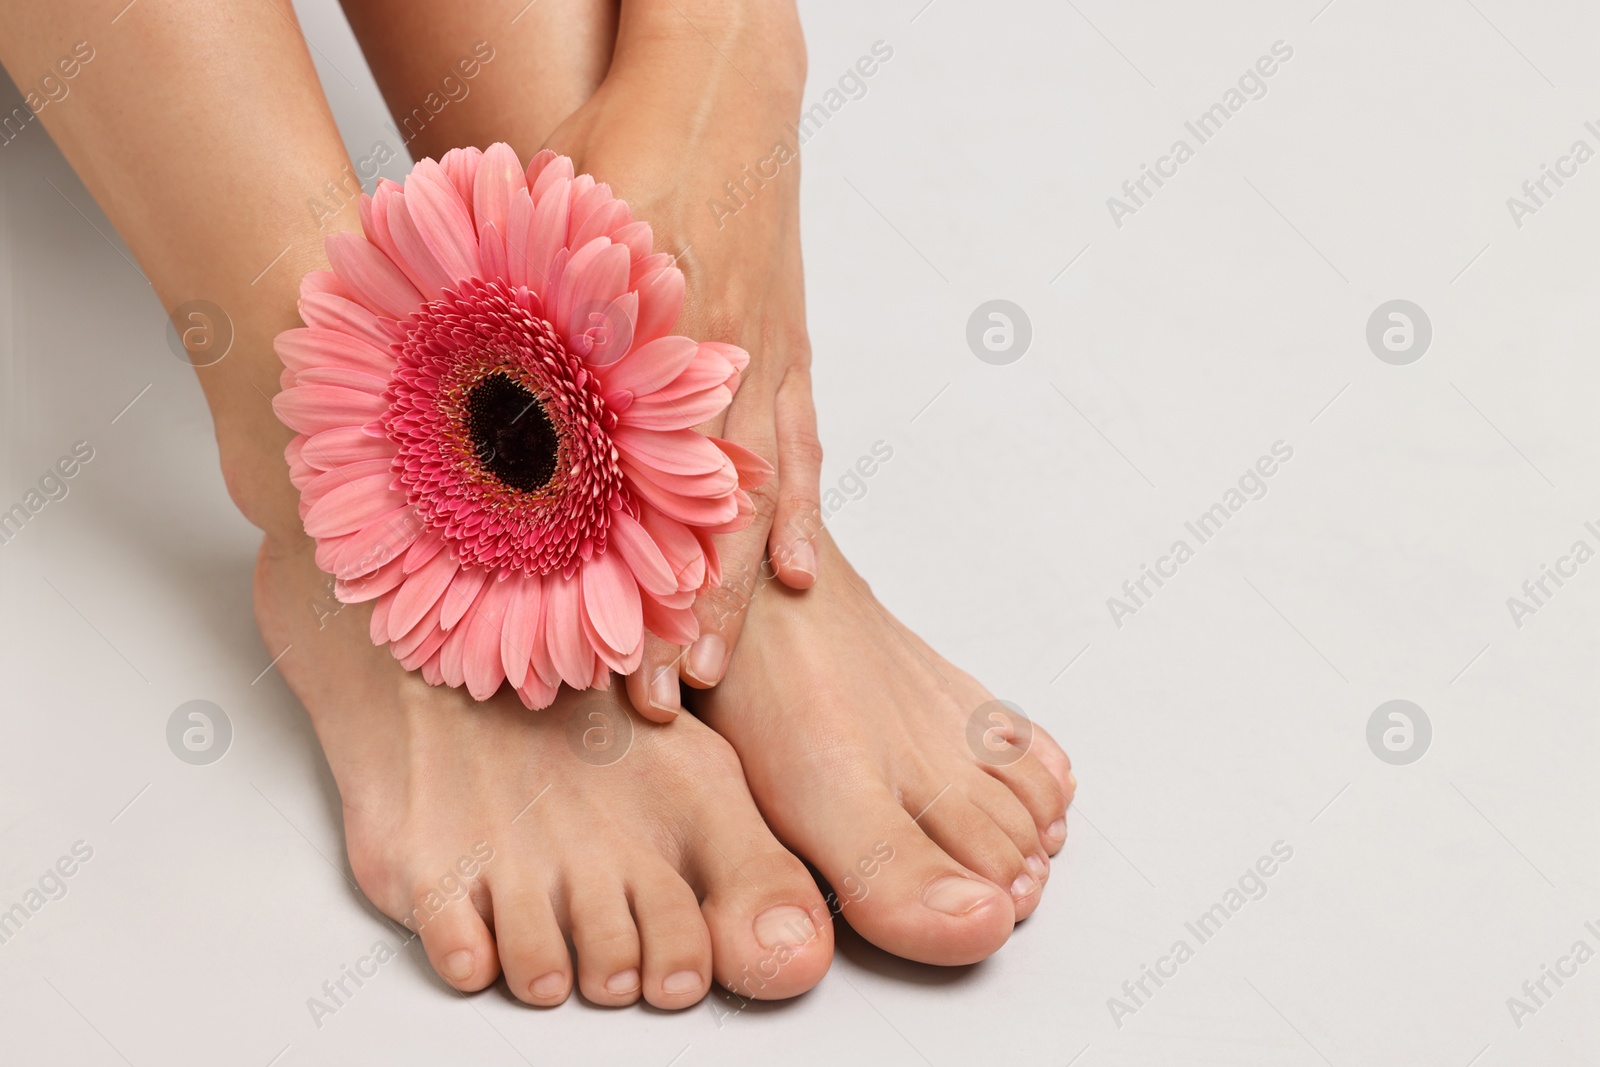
1072, 782
784, 925
705, 658
458, 965
804, 559
1056, 830
1038, 866
549, 985
623, 982
680, 982
954, 895
1024, 885
664, 690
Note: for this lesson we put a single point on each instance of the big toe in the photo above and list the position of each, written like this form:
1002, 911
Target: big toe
900, 890
771, 932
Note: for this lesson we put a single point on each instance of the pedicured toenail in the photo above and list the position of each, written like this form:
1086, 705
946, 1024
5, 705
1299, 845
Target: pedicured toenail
1072, 782
705, 658
784, 925
1056, 830
549, 985
680, 982
458, 965
954, 895
664, 690
804, 559
1025, 885
623, 982
1038, 866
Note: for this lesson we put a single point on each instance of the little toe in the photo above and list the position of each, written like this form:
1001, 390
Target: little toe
674, 943
533, 951
607, 943
1049, 752
457, 941
985, 845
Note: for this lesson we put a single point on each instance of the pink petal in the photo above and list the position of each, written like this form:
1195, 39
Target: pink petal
464, 589
660, 303
650, 366
414, 255
678, 544
642, 554
604, 220
638, 238
437, 208
377, 544
547, 236
325, 481
453, 657
342, 315
644, 268
348, 507
661, 413
429, 544
536, 694
378, 624
677, 626
690, 510
345, 444
492, 251
546, 170
304, 348
461, 166
596, 275
521, 627
344, 378
421, 591
753, 470
314, 408
499, 178
481, 655
372, 277
713, 561
746, 515
611, 600
672, 452
613, 335
373, 585
519, 221
569, 652
421, 641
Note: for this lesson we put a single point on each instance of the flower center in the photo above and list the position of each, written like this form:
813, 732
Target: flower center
512, 433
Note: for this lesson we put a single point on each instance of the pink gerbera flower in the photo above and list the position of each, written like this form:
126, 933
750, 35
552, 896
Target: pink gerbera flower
495, 427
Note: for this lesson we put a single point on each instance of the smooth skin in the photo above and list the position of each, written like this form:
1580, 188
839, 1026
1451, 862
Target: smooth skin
964, 867
859, 745
202, 132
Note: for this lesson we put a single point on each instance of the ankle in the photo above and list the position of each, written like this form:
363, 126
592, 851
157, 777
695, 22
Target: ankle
258, 483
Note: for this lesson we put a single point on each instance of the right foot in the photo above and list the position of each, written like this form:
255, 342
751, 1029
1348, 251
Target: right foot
655, 866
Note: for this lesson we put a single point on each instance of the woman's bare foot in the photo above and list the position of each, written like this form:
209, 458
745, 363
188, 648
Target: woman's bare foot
500, 834
868, 754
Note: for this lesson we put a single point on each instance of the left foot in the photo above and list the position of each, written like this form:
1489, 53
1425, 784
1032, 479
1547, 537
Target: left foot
876, 760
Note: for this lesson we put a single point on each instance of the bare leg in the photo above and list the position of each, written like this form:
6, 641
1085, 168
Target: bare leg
201, 130
549, 57
202, 137
672, 120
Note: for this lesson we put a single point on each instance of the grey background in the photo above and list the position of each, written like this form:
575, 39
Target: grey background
1168, 354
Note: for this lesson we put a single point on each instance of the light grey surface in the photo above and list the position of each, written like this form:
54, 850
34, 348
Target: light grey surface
1229, 713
